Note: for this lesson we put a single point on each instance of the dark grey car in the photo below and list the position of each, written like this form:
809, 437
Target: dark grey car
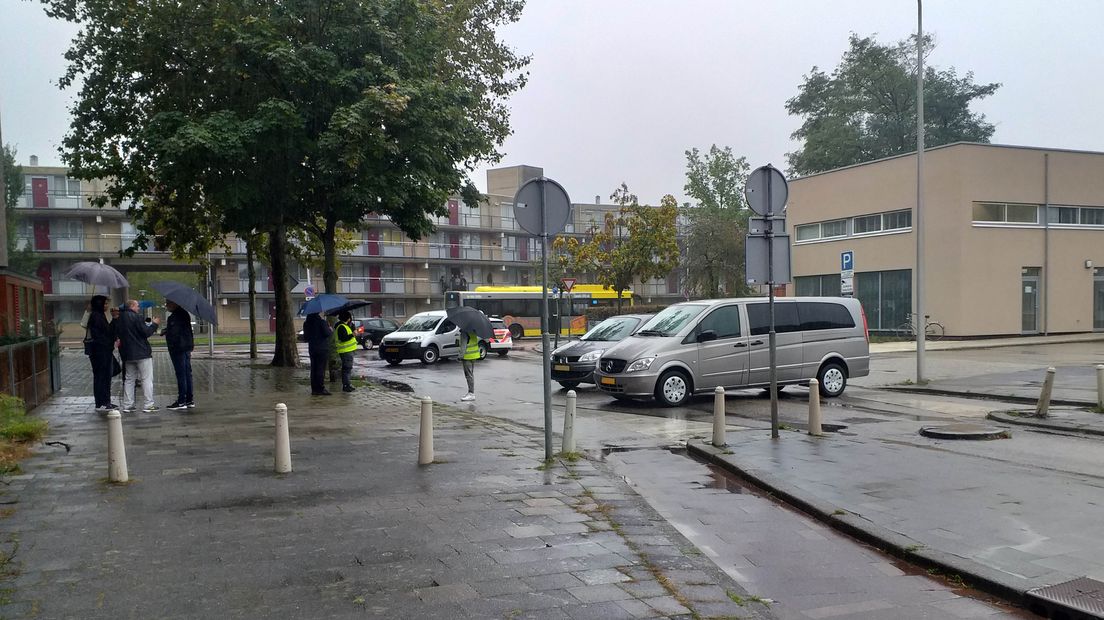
574, 363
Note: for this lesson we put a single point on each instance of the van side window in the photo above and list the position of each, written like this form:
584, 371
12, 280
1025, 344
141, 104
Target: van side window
824, 315
725, 321
446, 327
785, 318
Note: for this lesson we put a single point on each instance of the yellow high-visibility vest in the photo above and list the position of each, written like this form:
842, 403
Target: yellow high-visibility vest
471, 352
349, 346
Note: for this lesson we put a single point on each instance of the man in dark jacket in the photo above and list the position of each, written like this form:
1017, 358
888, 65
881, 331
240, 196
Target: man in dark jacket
133, 334
317, 333
179, 340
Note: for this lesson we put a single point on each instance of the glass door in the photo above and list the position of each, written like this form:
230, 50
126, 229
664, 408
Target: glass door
1098, 299
1029, 296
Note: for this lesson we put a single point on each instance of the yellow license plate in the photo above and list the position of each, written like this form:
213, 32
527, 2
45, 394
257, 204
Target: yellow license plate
392, 349
562, 367
609, 381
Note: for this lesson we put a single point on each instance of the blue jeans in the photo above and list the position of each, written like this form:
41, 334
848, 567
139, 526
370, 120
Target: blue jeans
182, 364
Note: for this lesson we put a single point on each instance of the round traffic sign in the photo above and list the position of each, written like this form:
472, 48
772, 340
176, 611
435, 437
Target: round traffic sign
528, 202
764, 181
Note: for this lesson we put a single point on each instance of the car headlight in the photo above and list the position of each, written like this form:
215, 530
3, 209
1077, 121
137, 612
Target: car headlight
414, 339
641, 364
590, 357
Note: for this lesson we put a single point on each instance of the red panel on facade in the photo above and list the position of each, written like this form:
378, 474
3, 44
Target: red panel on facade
373, 243
374, 279
40, 194
46, 274
523, 248
42, 235
454, 212
454, 245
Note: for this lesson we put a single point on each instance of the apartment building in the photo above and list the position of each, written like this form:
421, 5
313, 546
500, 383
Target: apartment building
1013, 243
470, 247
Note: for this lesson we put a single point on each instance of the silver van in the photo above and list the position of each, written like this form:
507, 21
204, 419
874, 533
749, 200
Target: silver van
693, 347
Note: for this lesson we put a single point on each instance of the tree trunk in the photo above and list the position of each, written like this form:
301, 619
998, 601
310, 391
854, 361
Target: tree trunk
619, 291
252, 274
287, 353
329, 255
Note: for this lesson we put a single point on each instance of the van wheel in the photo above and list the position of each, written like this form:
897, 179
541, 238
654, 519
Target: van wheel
482, 350
516, 331
430, 354
832, 378
673, 388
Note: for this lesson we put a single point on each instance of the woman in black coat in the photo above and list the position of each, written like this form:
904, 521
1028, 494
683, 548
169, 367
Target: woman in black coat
99, 343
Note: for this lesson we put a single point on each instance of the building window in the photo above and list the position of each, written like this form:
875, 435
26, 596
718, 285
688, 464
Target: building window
867, 224
72, 187
1085, 216
818, 286
1092, 217
262, 310
822, 230
1010, 213
886, 297
897, 220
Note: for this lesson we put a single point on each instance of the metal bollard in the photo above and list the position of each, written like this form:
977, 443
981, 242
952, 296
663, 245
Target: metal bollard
1044, 397
1100, 387
814, 408
283, 442
116, 451
568, 446
719, 417
425, 442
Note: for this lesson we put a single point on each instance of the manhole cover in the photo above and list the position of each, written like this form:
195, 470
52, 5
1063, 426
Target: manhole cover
964, 431
1079, 598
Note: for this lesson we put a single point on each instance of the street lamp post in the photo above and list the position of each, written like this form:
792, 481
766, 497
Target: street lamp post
920, 320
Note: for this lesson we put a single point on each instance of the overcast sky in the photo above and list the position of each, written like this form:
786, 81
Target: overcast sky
620, 89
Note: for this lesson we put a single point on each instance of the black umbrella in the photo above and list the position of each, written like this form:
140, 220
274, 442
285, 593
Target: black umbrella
348, 307
324, 303
99, 274
470, 320
187, 298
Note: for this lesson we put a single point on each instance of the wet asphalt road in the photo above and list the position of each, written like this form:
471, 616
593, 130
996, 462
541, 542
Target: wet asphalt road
808, 570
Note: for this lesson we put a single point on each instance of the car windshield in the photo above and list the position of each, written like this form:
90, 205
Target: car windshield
612, 329
419, 323
670, 321
498, 324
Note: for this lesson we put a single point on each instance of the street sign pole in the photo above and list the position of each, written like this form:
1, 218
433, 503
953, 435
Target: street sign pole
770, 303
546, 354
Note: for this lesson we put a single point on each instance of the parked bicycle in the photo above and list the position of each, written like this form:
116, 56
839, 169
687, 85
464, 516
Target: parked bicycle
933, 330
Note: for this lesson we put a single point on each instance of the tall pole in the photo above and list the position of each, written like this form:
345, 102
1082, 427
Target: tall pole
211, 292
545, 350
770, 286
921, 322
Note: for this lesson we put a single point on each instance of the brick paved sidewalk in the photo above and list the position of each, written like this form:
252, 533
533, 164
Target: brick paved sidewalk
205, 529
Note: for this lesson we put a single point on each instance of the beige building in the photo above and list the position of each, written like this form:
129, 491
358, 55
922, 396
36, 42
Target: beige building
1014, 238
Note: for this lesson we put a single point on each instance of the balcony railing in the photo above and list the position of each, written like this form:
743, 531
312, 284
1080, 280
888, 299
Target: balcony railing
60, 199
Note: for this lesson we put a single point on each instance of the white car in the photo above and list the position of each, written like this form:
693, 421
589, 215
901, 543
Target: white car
426, 336
502, 341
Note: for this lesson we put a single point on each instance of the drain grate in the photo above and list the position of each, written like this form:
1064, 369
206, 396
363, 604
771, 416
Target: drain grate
1075, 599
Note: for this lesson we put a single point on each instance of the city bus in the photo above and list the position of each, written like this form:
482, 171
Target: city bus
519, 306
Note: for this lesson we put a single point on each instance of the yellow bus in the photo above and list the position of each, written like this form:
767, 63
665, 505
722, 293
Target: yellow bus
519, 306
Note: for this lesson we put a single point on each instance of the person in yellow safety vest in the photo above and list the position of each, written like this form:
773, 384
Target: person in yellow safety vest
471, 355
346, 344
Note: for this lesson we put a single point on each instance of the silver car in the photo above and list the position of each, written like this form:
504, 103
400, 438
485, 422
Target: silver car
574, 363
694, 347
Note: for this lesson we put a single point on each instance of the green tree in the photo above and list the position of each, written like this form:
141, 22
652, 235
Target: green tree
23, 261
716, 223
249, 116
866, 109
635, 242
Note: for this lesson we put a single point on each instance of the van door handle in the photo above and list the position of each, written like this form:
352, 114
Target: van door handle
740, 345
757, 342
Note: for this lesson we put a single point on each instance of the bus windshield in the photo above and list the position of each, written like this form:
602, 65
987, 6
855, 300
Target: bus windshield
612, 329
419, 323
671, 320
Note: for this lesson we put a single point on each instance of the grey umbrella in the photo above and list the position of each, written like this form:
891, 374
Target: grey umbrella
470, 320
98, 274
187, 298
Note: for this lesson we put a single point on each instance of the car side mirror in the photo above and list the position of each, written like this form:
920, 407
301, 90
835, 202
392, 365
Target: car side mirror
707, 335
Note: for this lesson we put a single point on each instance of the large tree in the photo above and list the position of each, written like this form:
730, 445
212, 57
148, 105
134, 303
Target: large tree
270, 117
23, 260
866, 108
716, 223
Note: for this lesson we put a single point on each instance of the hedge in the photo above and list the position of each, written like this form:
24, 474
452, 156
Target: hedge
601, 313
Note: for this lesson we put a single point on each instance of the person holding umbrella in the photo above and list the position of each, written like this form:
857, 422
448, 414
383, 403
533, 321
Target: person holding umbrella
180, 341
99, 346
346, 344
317, 333
134, 335
474, 327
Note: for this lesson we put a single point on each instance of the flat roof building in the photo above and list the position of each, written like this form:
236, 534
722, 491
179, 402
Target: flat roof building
1014, 238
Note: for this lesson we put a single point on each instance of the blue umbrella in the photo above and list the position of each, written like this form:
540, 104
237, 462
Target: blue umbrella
324, 303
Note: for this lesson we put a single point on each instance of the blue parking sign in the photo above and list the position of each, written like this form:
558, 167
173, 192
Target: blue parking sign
847, 260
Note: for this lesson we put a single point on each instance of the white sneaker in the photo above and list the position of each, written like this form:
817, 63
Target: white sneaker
468, 397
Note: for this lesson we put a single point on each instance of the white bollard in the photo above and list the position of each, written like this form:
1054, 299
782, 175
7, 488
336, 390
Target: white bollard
1100, 387
1043, 407
283, 442
568, 446
116, 451
425, 442
814, 408
719, 417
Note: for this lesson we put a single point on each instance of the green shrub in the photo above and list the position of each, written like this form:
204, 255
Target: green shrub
14, 423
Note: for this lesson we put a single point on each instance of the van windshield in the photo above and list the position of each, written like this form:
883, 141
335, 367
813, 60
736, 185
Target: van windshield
670, 321
419, 323
612, 329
